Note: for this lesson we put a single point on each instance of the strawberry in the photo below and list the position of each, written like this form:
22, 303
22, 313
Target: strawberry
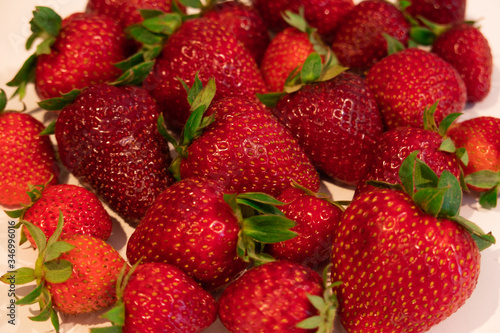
76, 52
83, 212
158, 297
193, 226
468, 51
76, 274
337, 122
359, 40
406, 259
275, 297
201, 46
321, 14
438, 11
407, 82
316, 216
108, 138
28, 157
244, 22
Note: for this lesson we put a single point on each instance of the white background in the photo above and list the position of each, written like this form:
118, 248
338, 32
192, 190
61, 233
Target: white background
481, 313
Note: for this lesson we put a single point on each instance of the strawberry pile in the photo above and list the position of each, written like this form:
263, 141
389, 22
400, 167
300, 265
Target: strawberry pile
184, 176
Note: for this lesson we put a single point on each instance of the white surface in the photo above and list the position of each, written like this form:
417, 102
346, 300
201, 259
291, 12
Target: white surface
481, 314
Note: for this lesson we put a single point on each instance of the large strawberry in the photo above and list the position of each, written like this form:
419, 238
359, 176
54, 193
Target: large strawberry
75, 52
201, 46
359, 40
28, 157
108, 139
468, 51
438, 11
158, 297
407, 82
406, 259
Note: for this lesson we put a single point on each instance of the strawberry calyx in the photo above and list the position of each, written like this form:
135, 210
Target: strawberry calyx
47, 268
323, 196
488, 180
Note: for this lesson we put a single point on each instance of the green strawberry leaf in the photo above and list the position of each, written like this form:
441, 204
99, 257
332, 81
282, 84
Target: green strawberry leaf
36, 233
482, 244
57, 232
45, 20
268, 228
134, 75
271, 99
116, 315
32, 297
45, 313
462, 155
430, 199
448, 146
50, 129
447, 122
20, 276
311, 322
57, 271
429, 119
424, 176
15, 213
54, 319
422, 35
485, 179
3, 100
161, 23
55, 250
393, 45
297, 20
24, 76
58, 103
192, 3
488, 199
452, 200
194, 90
486, 239
311, 69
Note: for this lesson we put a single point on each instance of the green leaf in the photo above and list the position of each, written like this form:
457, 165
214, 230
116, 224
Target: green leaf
24, 76
194, 90
205, 96
37, 234
32, 297
270, 99
422, 35
424, 176
143, 35
462, 155
165, 24
57, 232
15, 213
475, 231
481, 243
268, 228
429, 120
45, 313
45, 46
485, 179
296, 20
58, 103
50, 129
406, 172
47, 20
311, 69
488, 199
22, 275
116, 314
393, 45
3, 100
160, 125
134, 75
448, 146
57, 271
452, 200
54, 319
109, 329
310, 323
317, 301
192, 3
430, 199
55, 250
447, 122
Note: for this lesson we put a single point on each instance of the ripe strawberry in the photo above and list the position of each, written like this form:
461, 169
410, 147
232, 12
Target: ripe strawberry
80, 51
244, 22
317, 217
201, 46
407, 82
28, 158
468, 51
404, 261
273, 297
108, 139
359, 42
82, 210
438, 11
323, 15
336, 122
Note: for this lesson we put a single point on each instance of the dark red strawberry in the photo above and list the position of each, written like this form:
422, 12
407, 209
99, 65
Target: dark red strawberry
108, 139
28, 157
244, 22
336, 122
359, 40
201, 46
438, 11
404, 260
78, 51
407, 82
468, 51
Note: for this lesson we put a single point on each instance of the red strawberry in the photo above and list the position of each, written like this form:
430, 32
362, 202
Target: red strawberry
108, 139
468, 51
201, 46
407, 82
438, 11
158, 297
28, 157
82, 210
321, 14
359, 42
244, 22
403, 268
337, 123
273, 297
317, 217
83, 50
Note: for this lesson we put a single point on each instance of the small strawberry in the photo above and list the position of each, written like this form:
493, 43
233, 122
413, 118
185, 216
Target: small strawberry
201, 46
406, 259
108, 138
277, 296
158, 297
317, 216
74, 275
359, 40
438, 11
407, 82
28, 158
468, 51
80, 50
82, 210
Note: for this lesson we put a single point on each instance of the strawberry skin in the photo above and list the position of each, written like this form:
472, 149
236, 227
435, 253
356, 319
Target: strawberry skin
438, 11
190, 226
270, 298
84, 53
27, 158
83, 212
409, 81
108, 139
337, 122
201, 46
92, 284
246, 149
468, 51
160, 297
400, 268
